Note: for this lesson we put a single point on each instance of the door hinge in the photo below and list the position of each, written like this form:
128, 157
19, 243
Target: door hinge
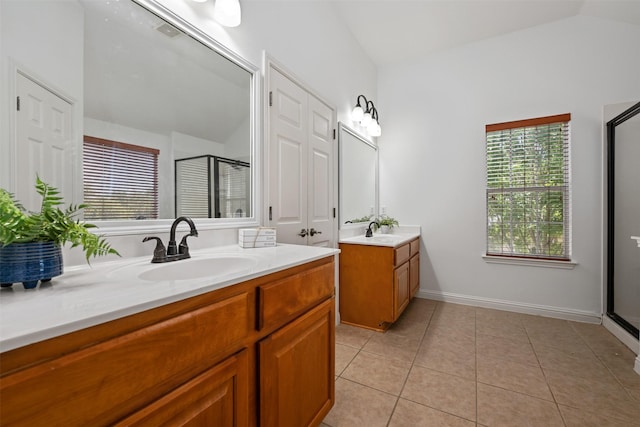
334, 212
270, 98
270, 213
334, 134
18, 103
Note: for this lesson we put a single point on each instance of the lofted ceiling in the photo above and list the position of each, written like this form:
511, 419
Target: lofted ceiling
393, 31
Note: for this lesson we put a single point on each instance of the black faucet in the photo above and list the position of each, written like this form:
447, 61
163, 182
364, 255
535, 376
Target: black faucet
173, 252
172, 249
369, 232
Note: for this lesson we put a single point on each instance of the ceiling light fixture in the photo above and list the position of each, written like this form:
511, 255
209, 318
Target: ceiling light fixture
368, 117
227, 12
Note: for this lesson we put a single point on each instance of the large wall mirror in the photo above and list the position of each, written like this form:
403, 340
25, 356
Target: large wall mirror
161, 119
623, 218
358, 177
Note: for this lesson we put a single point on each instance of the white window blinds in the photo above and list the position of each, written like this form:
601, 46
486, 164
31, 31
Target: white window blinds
120, 180
528, 188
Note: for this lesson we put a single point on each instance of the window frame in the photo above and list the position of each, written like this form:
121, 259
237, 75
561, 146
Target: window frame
547, 259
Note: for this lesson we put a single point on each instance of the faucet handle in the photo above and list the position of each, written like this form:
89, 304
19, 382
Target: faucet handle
183, 248
159, 253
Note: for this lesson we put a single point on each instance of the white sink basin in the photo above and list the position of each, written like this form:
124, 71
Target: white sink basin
387, 238
189, 269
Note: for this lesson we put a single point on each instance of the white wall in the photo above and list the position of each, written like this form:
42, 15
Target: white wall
432, 152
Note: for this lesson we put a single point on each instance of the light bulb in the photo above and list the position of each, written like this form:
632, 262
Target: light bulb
371, 128
366, 120
227, 12
199, 1
357, 113
377, 131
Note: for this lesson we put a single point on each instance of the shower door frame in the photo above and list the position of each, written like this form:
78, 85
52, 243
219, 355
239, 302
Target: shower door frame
611, 133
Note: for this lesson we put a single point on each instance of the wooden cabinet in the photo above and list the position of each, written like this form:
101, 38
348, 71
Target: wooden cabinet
297, 370
217, 397
377, 282
193, 362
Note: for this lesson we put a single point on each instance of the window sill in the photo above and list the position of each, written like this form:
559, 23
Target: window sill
529, 262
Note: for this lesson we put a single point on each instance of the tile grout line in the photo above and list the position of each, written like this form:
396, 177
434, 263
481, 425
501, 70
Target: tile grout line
410, 368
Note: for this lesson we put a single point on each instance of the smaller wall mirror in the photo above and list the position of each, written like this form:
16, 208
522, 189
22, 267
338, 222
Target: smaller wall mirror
358, 177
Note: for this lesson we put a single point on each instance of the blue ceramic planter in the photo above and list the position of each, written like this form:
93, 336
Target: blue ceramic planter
29, 262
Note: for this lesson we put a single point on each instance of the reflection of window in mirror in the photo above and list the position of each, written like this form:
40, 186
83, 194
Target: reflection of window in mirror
131, 192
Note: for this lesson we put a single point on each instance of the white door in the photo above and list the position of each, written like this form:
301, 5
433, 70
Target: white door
320, 205
301, 195
44, 138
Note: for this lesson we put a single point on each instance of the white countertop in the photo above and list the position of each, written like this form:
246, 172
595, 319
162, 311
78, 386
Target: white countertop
392, 240
86, 296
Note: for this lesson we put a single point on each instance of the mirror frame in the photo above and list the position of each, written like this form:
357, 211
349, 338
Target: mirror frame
127, 227
342, 127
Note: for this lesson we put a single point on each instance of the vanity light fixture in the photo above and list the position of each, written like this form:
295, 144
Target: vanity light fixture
368, 118
227, 12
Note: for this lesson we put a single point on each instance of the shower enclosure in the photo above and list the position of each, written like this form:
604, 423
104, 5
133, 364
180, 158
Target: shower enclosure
213, 187
623, 219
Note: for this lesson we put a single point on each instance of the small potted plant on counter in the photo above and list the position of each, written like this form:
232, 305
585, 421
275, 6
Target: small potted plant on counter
386, 223
30, 242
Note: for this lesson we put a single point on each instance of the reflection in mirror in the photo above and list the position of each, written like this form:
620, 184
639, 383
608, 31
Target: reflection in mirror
155, 91
358, 177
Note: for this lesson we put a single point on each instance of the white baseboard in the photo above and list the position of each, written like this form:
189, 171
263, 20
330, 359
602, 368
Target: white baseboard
518, 307
637, 366
624, 336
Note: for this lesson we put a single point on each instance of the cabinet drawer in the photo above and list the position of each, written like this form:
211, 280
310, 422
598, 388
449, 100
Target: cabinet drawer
100, 384
415, 247
402, 254
282, 300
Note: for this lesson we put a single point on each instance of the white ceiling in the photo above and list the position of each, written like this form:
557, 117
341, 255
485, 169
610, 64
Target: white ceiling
403, 30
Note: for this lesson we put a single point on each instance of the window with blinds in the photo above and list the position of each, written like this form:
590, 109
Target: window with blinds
120, 180
528, 188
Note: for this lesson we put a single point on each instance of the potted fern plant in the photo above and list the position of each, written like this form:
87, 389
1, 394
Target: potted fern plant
386, 223
30, 242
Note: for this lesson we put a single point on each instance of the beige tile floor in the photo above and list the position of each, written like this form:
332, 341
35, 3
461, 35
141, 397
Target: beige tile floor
445, 364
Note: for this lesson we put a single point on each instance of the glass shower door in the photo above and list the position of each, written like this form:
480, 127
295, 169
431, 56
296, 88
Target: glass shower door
623, 253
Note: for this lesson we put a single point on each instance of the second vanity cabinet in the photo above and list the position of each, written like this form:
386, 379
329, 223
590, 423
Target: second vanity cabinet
377, 282
257, 353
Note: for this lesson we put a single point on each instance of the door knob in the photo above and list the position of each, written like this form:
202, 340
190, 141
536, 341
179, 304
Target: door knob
313, 232
302, 232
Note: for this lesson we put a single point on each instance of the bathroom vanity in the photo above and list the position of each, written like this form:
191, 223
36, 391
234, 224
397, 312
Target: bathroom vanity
255, 347
378, 277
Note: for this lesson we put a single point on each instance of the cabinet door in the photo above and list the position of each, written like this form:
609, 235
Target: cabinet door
297, 385
218, 397
401, 289
414, 274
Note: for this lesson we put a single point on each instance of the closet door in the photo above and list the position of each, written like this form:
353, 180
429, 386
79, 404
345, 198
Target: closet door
320, 174
301, 164
44, 138
288, 128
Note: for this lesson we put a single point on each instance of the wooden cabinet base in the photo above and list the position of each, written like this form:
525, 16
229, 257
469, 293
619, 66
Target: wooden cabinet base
196, 362
377, 283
